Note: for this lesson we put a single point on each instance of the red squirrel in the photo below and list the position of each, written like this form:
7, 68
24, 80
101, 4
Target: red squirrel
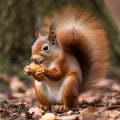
73, 57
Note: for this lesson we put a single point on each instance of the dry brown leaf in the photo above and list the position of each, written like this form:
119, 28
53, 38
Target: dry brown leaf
110, 114
36, 110
16, 85
29, 114
5, 114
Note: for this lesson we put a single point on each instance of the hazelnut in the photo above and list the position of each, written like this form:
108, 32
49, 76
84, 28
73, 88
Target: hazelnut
34, 67
48, 116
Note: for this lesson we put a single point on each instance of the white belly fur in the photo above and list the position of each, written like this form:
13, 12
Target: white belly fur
52, 90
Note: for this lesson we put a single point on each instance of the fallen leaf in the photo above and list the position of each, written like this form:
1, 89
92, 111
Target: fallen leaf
110, 114
29, 115
16, 85
5, 114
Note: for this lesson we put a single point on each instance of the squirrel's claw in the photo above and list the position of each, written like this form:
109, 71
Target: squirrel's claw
61, 108
40, 72
27, 70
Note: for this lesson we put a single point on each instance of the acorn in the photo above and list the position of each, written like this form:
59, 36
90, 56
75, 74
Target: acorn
33, 67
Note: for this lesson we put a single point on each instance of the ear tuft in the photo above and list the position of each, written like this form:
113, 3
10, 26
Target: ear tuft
37, 28
52, 34
53, 25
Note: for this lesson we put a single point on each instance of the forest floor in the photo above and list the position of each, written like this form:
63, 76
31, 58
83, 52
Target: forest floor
18, 102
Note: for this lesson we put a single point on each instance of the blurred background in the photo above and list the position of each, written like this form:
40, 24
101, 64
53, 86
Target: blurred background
17, 21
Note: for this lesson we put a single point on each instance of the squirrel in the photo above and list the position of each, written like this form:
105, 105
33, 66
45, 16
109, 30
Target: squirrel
73, 56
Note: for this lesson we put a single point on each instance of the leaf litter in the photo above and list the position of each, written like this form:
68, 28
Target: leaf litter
20, 103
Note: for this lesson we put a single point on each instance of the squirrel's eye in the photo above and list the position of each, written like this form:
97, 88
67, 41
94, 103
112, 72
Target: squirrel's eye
45, 47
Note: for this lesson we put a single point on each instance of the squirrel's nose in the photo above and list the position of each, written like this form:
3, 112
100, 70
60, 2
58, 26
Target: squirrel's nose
33, 58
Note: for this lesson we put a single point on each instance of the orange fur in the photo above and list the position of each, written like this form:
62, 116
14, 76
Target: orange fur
82, 34
78, 57
43, 100
71, 91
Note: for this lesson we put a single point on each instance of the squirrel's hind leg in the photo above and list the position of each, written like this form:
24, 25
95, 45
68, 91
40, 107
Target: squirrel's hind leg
42, 98
70, 91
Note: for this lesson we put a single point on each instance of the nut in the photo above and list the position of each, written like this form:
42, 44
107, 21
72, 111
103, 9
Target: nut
34, 67
48, 116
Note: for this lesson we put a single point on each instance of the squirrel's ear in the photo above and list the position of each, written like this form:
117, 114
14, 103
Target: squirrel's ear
52, 34
37, 28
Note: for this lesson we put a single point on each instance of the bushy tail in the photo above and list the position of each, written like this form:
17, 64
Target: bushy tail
83, 35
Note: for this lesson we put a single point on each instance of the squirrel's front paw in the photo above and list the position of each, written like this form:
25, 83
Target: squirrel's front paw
27, 70
40, 72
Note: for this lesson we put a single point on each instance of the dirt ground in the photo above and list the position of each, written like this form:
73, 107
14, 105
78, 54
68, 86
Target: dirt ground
19, 103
